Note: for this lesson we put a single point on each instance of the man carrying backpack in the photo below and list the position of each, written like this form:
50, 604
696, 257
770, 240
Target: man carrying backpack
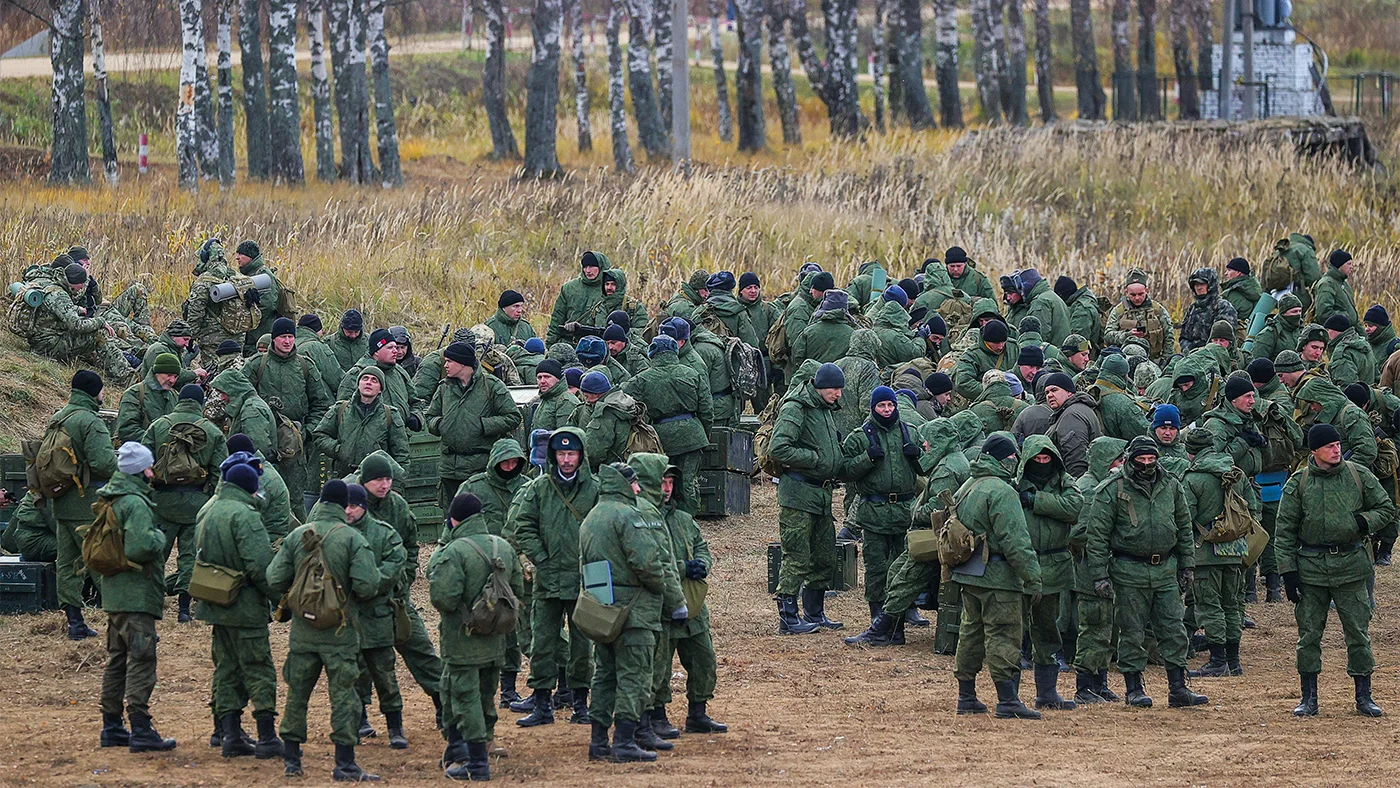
398, 387
133, 596
188, 450
473, 572
679, 403
290, 384
148, 399
324, 553
73, 479
469, 411
377, 618
365, 423
611, 414
249, 259
230, 534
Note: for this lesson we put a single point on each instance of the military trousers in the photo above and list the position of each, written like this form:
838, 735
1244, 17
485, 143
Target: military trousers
1354, 611
689, 465
880, 552
41, 546
297, 474
518, 642
697, 654
69, 567
418, 653
905, 581
1268, 564
550, 651
989, 632
301, 671
1093, 650
808, 548
131, 664
469, 700
1136, 610
447, 490
94, 349
178, 582
243, 671
622, 677
1219, 593
1043, 619
377, 675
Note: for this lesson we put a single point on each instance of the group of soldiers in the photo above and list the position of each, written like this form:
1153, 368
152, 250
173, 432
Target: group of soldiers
1108, 477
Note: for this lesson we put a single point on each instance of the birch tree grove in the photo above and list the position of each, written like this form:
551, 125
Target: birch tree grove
186, 122
651, 133
617, 107
254, 93
351, 90
1150, 104
834, 81
1201, 19
784, 91
542, 92
1014, 84
726, 118
1087, 82
320, 91
68, 162
1124, 88
748, 80
386, 130
910, 75
985, 69
493, 83
581, 108
104, 101
223, 41
945, 63
1180, 25
206, 124
1044, 88
285, 115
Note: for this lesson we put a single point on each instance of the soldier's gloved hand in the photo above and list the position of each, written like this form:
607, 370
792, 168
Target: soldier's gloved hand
1027, 499
1255, 438
695, 569
875, 452
912, 450
413, 422
1361, 525
1103, 588
571, 327
681, 614
925, 331
252, 297
1185, 578
1292, 587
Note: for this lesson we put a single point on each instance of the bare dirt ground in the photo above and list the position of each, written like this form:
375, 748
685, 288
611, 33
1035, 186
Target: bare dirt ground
802, 711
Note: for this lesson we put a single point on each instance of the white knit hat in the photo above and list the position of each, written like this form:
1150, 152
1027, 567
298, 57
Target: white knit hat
133, 458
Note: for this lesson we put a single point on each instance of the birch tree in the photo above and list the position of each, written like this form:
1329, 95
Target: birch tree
493, 83
878, 56
1087, 82
726, 117
68, 161
320, 91
985, 68
780, 61
945, 63
748, 81
386, 130
223, 41
207, 124
617, 107
834, 81
910, 64
255, 120
1150, 104
1202, 19
104, 101
581, 108
1014, 86
542, 92
1124, 88
1190, 96
1044, 85
351, 91
651, 133
285, 115
661, 32
186, 120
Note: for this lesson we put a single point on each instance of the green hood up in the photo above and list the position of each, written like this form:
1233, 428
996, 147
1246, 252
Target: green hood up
1037, 444
650, 468
612, 484
1102, 452
233, 383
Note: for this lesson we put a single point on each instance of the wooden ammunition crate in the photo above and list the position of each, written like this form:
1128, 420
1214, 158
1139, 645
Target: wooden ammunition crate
27, 587
723, 493
729, 449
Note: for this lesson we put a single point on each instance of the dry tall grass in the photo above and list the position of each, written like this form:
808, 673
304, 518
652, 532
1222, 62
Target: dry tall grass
428, 254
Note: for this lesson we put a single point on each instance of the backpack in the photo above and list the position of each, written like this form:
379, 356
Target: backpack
957, 313
707, 318
745, 366
763, 437
235, 316
642, 436
1236, 521
289, 440
1387, 458
315, 596
1279, 449
51, 464
176, 462
23, 315
286, 301
956, 542
777, 340
1277, 273
104, 550
496, 610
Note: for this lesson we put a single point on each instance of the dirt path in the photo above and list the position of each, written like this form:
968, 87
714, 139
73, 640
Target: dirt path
802, 711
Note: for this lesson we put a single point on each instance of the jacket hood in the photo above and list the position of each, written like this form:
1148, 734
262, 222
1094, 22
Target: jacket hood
604, 264
807, 372
892, 316
233, 383
620, 401
1038, 444
1102, 452
866, 268
1212, 462
502, 450
995, 390
1248, 286
865, 344
986, 465
1324, 392
650, 468
1080, 398
968, 426
1212, 280
723, 302
942, 438
326, 512
936, 275
577, 433
83, 400
611, 483
126, 484
985, 307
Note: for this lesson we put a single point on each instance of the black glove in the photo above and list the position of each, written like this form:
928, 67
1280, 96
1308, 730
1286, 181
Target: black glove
695, 569
1103, 588
252, 298
875, 452
1027, 499
1255, 438
1185, 578
1292, 587
925, 331
912, 450
413, 422
1361, 525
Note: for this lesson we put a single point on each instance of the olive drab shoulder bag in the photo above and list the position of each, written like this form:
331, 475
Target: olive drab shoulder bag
497, 608
315, 596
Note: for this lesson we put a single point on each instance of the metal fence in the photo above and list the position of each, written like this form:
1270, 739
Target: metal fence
1168, 98
1368, 94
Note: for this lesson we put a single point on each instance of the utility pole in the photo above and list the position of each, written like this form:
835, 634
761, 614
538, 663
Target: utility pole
680, 87
1250, 109
1227, 60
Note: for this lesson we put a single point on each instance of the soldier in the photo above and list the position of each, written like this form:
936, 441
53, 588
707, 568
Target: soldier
32, 531
607, 419
1234, 427
1083, 308
275, 505
994, 350
1312, 345
1321, 402
806, 445
133, 600
1274, 408
898, 343
469, 411
762, 314
996, 406
636, 546
798, 313
1349, 357
310, 345
237, 408
401, 390
1281, 330
1380, 334
403, 350
556, 403
543, 526
940, 390
1093, 642
348, 559
1241, 288
964, 274
692, 294
680, 406
248, 257
527, 358
214, 322
721, 305
1141, 554
61, 332
1207, 308
1027, 294
509, 323
580, 299
354, 428
148, 399
1332, 294
231, 534
621, 354
1121, 412
1328, 510
457, 575
1137, 315
175, 340
828, 337
1166, 433
189, 450
1074, 424
290, 378
349, 344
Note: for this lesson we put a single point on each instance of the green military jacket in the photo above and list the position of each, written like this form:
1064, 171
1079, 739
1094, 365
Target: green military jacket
377, 611
885, 489
457, 575
1380, 346
1243, 293
973, 282
1350, 360
1043, 304
1152, 318
825, 339
806, 445
1131, 525
862, 376
1103, 452
1206, 494
678, 403
1279, 333
507, 331
796, 316
974, 363
135, 590
294, 380
230, 534
141, 404
609, 427
352, 429
636, 547
1317, 533
399, 391
946, 465
177, 504
543, 525
987, 505
580, 300
309, 344
1053, 511
246, 412
1358, 436
687, 544
1084, 316
706, 348
997, 408
349, 560
683, 303
762, 314
267, 299
347, 351
727, 309
57, 320
164, 344
554, 408
496, 489
469, 419
1230, 426
93, 446
897, 343
1332, 296
1119, 411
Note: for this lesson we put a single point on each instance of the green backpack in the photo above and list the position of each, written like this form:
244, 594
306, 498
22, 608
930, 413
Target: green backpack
52, 466
104, 546
496, 609
177, 459
315, 597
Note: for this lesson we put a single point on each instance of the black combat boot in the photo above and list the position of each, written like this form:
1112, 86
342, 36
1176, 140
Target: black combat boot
1047, 696
1247, 621
291, 759
598, 747
1215, 667
789, 623
647, 738
268, 746
1232, 658
216, 739
233, 745
508, 693
476, 767
897, 637
563, 695
661, 726
366, 731
183, 601
456, 750
1085, 689
1009, 706
524, 705
814, 605
1251, 587
625, 748
1135, 695
913, 619
967, 698
1307, 707
346, 770
1062, 664
697, 721
145, 738
580, 712
393, 720
880, 633
1273, 584
1178, 694
114, 733
1364, 705
77, 627
543, 713
437, 710
1104, 691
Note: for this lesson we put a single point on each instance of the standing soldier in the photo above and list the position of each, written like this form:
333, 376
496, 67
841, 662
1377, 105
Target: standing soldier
811, 291
722, 308
230, 534
509, 323
1332, 294
610, 414
240, 410
1074, 424
275, 503
1093, 643
637, 551
376, 625
148, 399
1274, 409
762, 314
1349, 357
692, 294
1085, 319
1207, 308
189, 450
1328, 510
349, 343
1241, 288
679, 403
621, 355
1281, 331
1380, 334
1141, 554
543, 525
580, 299
556, 403
288, 377
214, 322
458, 576
1121, 412
1027, 294
994, 350
309, 344
828, 337
250, 263
964, 274
354, 428
1137, 315
399, 389
469, 411
134, 600
992, 582
349, 561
